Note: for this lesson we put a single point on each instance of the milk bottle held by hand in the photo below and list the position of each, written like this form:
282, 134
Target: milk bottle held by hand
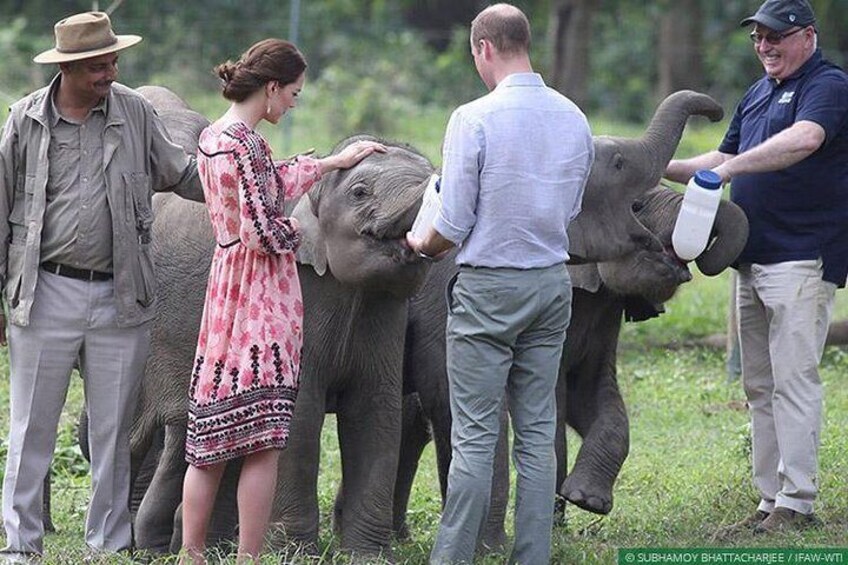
697, 214
430, 204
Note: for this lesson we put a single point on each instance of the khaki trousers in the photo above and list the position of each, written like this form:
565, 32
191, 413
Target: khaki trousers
70, 320
784, 312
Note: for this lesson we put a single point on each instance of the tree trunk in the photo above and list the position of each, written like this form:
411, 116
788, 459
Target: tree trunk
570, 37
680, 49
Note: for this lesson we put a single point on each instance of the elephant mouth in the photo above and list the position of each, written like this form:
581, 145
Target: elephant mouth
390, 239
394, 247
678, 266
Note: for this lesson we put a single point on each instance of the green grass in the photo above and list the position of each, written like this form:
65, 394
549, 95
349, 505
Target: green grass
688, 471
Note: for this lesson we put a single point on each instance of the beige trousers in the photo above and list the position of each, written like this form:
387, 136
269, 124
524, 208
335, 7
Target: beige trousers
72, 319
784, 311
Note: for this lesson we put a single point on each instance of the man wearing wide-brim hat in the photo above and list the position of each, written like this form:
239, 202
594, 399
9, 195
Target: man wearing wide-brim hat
785, 155
79, 161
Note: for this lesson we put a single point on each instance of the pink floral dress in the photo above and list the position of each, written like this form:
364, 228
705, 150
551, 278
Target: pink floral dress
246, 372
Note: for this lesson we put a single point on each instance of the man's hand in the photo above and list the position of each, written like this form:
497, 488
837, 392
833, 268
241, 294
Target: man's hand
433, 240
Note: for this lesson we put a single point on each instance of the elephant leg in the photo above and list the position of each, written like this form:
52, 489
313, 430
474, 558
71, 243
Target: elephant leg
561, 444
369, 428
144, 462
606, 442
154, 521
46, 513
294, 516
493, 536
414, 437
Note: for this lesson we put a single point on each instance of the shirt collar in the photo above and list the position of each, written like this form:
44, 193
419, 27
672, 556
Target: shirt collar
521, 79
814, 61
55, 116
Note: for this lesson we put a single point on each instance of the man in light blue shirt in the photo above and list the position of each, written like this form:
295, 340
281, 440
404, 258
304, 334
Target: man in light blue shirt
515, 165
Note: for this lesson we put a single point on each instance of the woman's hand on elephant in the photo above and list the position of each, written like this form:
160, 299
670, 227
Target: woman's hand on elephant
350, 155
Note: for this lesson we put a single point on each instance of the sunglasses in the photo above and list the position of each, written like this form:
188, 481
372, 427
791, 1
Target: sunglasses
772, 38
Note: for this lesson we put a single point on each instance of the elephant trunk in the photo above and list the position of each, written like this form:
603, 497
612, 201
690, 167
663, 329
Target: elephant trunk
729, 235
659, 210
663, 134
397, 208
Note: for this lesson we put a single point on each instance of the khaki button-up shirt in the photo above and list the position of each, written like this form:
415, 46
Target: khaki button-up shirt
77, 220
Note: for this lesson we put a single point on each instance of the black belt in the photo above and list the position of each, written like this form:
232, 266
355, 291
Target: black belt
74, 273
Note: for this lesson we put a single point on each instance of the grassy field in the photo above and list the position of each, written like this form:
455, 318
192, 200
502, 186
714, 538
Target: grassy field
688, 471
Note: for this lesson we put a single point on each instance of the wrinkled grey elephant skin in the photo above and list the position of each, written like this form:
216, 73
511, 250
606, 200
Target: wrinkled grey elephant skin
588, 398
356, 276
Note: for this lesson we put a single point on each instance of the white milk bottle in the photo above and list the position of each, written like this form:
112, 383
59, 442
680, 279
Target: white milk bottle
430, 204
697, 213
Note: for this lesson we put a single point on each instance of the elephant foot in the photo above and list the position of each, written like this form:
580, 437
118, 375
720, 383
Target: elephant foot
401, 531
492, 540
586, 495
384, 557
560, 518
277, 540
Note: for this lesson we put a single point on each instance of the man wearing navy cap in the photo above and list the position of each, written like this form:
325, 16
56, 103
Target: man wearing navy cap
786, 151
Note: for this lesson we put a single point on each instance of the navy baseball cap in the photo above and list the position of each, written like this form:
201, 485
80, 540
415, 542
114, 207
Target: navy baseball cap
781, 15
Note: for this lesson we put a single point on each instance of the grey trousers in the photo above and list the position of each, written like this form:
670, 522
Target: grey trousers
784, 311
505, 335
72, 319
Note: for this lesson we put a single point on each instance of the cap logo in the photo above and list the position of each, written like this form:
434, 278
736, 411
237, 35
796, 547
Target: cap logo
792, 18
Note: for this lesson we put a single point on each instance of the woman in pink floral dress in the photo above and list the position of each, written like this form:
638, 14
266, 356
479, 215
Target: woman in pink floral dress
245, 376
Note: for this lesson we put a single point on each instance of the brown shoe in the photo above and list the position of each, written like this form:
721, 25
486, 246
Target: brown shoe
784, 520
744, 526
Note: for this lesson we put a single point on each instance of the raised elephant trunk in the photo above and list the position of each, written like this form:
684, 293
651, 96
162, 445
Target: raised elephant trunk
663, 135
624, 170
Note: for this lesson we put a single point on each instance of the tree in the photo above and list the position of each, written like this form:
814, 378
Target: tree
680, 55
570, 36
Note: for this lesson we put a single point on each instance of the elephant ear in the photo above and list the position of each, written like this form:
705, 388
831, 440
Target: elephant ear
313, 249
585, 277
606, 228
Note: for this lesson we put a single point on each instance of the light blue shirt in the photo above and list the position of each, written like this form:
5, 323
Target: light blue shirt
514, 167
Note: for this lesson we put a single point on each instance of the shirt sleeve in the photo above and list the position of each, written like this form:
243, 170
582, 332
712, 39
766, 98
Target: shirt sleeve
578, 201
462, 158
730, 143
173, 169
263, 226
825, 101
298, 175
8, 174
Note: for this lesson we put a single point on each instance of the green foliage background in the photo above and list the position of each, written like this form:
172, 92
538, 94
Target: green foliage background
379, 58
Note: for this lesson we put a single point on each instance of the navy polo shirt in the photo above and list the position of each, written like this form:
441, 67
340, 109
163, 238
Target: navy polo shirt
800, 212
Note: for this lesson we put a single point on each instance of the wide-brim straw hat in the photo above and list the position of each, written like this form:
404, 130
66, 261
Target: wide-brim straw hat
83, 36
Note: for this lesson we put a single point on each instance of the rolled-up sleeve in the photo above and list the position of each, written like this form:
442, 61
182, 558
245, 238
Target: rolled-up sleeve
173, 169
462, 155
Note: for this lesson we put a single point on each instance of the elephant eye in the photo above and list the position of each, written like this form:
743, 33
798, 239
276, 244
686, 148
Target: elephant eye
637, 206
360, 190
618, 161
